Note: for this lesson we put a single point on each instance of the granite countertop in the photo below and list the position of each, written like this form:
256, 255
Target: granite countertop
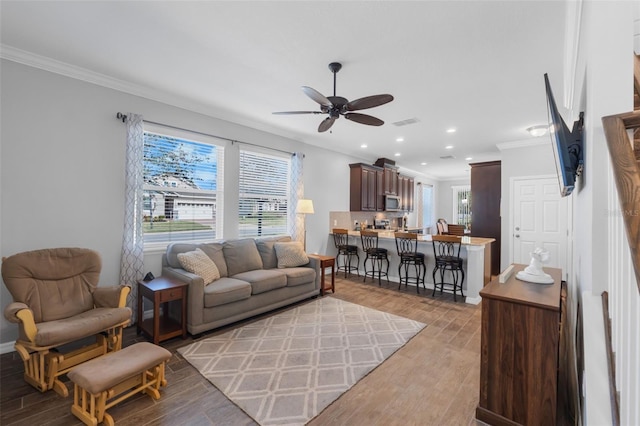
467, 241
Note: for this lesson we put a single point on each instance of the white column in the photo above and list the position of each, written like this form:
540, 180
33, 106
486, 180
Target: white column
475, 273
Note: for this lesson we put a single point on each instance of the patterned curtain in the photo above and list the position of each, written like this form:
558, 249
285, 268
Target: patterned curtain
296, 221
131, 263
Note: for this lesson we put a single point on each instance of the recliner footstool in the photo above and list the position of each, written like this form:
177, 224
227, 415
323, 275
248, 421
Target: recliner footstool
99, 384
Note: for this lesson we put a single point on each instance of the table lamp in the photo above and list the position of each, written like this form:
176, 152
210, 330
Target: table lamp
305, 207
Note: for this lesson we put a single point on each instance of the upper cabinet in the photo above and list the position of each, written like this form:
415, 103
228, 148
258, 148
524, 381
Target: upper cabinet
370, 184
390, 180
405, 192
366, 187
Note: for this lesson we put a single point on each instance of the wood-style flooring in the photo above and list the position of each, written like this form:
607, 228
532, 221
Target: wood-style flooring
432, 380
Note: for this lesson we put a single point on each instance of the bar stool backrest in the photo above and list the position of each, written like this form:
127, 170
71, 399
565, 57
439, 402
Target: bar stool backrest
340, 237
369, 240
406, 243
443, 227
446, 246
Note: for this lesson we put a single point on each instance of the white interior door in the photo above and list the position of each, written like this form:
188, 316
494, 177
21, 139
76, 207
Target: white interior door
539, 220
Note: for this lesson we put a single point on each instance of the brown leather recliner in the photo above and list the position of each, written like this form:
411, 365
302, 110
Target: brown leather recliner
57, 301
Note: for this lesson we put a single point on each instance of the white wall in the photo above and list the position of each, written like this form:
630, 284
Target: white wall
444, 198
604, 86
605, 68
532, 159
62, 169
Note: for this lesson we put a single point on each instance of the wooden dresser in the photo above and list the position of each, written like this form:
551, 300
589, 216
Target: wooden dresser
519, 351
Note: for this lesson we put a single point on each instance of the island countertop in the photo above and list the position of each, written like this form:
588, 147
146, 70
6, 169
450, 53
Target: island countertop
467, 241
475, 253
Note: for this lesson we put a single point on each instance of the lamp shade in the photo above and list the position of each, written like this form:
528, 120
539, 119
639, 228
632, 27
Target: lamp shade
304, 206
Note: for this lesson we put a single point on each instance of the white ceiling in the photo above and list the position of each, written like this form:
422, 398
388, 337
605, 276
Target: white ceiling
476, 66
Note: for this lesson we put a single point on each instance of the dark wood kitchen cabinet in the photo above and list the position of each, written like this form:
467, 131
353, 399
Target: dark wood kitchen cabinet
390, 180
364, 188
379, 190
485, 206
405, 192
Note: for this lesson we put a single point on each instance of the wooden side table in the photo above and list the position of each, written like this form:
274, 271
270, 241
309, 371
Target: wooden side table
325, 262
162, 290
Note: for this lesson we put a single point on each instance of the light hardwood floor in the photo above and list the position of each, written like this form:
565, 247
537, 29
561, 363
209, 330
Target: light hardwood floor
432, 380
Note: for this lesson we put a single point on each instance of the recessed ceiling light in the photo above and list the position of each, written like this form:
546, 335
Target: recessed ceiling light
537, 131
424, 163
451, 130
364, 145
468, 158
400, 139
397, 154
448, 147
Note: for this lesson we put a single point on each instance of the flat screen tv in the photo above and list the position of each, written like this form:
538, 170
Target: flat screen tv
567, 144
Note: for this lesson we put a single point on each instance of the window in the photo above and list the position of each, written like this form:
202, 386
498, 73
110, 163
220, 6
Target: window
462, 205
427, 205
183, 187
264, 194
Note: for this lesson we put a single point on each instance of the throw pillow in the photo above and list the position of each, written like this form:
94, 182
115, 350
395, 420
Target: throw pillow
197, 262
290, 254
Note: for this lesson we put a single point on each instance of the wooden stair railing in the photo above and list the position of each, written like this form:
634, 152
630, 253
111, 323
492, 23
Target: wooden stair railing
636, 103
626, 170
614, 395
625, 159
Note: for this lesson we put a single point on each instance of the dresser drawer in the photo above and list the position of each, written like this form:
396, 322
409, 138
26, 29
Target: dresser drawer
171, 294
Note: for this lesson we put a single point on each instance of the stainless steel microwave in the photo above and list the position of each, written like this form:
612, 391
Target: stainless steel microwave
391, 203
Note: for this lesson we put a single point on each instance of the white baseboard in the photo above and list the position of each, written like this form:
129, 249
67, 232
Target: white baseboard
473, 300
7, 347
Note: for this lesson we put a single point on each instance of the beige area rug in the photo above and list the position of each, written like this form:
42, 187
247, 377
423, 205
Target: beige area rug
284, 370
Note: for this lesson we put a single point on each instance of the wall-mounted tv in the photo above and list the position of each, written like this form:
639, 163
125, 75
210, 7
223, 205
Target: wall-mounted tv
567, 145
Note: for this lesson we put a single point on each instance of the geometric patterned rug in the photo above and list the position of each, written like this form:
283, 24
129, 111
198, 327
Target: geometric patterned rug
286, 369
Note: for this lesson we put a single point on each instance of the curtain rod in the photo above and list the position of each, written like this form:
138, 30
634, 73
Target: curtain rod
123, 117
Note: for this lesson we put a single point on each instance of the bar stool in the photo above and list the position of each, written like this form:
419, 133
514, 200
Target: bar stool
446, 250
407, 247
346, 251
375, 254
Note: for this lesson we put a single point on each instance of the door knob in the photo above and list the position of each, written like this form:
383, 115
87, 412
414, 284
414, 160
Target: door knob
517, 235
517, 228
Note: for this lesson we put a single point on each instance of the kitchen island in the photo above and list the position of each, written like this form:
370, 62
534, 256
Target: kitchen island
475, 252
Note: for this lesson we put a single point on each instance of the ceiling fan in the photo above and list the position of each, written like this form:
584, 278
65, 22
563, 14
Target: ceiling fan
335, 106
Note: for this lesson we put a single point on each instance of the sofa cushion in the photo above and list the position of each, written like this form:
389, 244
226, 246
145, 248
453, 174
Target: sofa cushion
214, 251
290, 254
226, 290
267, 252
199, 263
299, 276
263, 280
241, 256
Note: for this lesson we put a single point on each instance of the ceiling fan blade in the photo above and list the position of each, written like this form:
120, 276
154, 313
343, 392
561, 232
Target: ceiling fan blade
317, 96
296, 112
326, 124
364, 119
368, 102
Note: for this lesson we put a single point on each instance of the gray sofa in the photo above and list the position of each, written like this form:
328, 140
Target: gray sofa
250, 281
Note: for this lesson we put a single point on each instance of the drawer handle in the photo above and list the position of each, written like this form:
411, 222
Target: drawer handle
171, 294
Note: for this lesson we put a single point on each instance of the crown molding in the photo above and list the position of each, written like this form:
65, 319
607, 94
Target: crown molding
62, 68
539, 141
48, 64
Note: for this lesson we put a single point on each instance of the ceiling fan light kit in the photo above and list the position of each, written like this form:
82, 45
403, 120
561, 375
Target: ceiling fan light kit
335, 106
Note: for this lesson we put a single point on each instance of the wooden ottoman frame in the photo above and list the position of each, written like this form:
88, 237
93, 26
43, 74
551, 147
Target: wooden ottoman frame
101, 383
